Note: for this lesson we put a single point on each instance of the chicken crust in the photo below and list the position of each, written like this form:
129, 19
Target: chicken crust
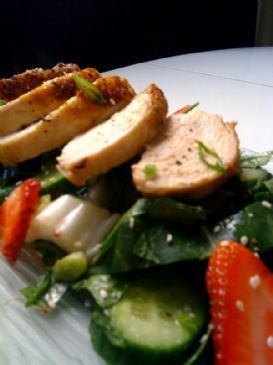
19, 84
117, 140
175, 156
33, 105
75, 116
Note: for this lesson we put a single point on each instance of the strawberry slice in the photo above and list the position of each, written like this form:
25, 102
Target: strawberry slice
15, 216
241, 303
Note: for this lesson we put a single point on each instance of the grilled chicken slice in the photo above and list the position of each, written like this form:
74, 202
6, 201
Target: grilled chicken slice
20, 84
75, 116
181, 154
32, 106
117, 140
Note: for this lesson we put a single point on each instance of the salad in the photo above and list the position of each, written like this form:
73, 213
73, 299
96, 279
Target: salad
162, 225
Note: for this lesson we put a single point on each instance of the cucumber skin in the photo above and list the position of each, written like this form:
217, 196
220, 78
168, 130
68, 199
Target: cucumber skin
128, 355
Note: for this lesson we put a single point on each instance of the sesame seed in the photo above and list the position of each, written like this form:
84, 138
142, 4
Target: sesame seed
216, 229
269, 342
256, 254
266, 204
103, 294
251, 215
224, 243
240, 305
78, 244
131, 222
255, 281
231, 224
204, 338
211, 326
221, 292
169, 238
244, 240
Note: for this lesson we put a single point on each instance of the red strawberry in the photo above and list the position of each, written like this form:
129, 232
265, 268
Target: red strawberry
241, 299
15, 216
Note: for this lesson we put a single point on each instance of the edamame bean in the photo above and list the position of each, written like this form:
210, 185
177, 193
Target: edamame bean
70, 267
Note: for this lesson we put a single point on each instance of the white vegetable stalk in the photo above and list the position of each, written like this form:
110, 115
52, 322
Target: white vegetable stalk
73, 224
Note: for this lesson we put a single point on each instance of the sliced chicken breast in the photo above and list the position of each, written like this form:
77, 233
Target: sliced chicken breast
75, 116
192, 156
117, 140
20, 84
32, 106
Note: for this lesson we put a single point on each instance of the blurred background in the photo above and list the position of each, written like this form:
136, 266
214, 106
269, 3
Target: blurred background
110, 34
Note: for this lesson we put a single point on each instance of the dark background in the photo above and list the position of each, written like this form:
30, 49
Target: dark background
112, 34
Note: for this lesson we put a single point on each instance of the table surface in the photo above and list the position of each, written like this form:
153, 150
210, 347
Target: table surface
235, 83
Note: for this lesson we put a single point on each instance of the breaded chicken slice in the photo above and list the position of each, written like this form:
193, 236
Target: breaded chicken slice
191, 157
75, 116
20, 84
117, 140
35, 104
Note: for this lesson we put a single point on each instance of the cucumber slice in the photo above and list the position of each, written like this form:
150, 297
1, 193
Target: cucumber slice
157, 319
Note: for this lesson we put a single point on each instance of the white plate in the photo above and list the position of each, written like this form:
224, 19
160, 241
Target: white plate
28, 337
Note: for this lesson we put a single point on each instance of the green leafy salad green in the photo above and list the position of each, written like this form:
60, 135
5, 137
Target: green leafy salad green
144, 273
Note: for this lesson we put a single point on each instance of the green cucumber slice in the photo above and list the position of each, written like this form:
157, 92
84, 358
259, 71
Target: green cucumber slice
158, 318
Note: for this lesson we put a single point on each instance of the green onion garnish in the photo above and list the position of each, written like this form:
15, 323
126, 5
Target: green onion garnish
2, 102
150, 171
89, 89
190, 107
205, 152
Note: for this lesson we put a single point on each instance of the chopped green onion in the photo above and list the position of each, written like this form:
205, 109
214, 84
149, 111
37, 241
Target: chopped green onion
89, 89
190, 107
205, 152
150, 171
2, 102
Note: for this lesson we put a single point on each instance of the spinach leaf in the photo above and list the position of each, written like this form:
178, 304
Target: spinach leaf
256, 225
105, 289
103, 337
140, 241
255, 160
174, 212
252, 226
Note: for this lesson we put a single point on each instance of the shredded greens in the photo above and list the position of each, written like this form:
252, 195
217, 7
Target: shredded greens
205, 153
2, 102
89, 89
45, 294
